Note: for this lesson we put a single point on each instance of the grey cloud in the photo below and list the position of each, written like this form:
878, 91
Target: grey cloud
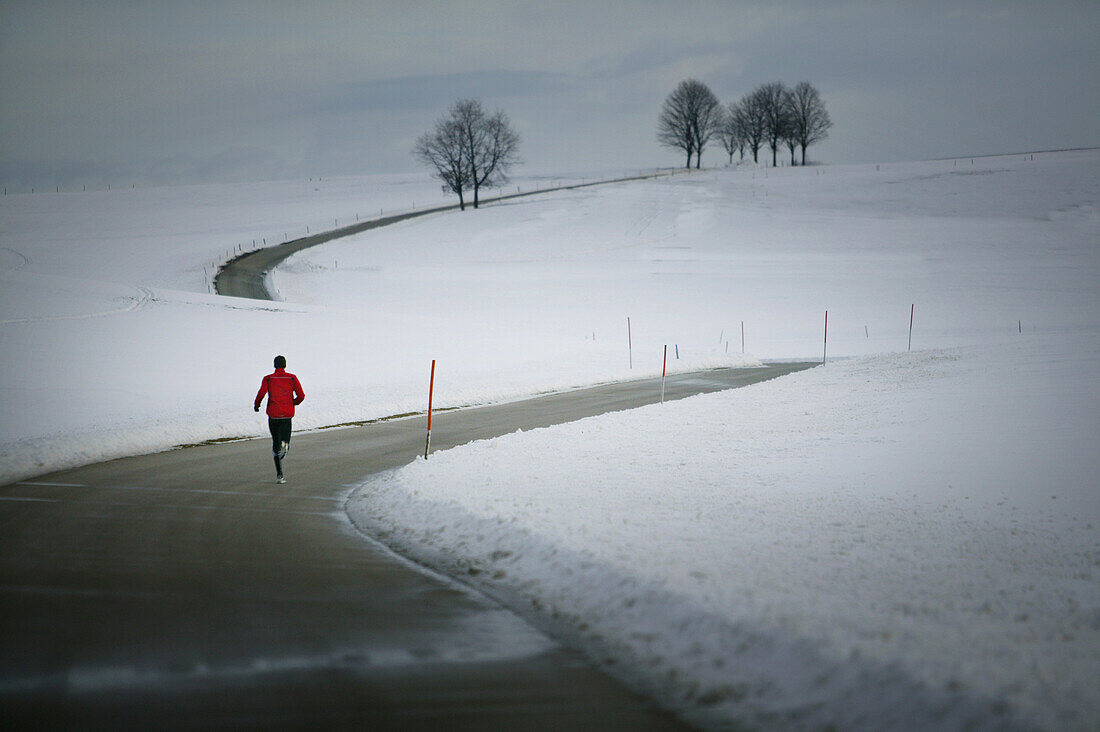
420, 93
237, 89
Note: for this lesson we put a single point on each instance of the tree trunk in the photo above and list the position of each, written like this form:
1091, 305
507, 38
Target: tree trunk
803, 154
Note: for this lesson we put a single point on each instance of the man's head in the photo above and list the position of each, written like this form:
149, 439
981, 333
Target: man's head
280, 362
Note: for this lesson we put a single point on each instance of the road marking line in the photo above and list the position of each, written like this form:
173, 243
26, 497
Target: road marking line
55, 485
27, 498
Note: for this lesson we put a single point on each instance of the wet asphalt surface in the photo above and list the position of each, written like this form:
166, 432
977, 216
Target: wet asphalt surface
187, 589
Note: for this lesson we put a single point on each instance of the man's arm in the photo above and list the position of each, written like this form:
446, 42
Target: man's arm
260, 395
299, 395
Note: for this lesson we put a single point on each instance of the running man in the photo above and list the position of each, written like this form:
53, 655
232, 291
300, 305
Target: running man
283, 394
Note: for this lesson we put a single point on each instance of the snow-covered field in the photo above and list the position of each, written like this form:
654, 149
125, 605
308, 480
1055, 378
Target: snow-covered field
898, 540
113, 345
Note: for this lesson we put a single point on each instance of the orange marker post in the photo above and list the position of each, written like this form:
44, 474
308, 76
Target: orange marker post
431, 390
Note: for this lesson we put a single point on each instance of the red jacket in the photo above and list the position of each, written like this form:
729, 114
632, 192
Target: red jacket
284, 394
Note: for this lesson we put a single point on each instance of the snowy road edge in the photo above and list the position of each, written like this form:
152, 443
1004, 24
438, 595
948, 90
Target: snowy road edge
630, 639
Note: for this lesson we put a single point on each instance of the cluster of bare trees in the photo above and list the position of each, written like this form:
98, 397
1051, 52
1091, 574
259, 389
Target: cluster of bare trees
771, 116
469, 149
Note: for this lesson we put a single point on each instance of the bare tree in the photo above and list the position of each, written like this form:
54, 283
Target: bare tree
443, 150
752, 123
469, 150
689, 119
809, 120
729, 134
737, 121
674, 124
791, 142
790, 138
490, 144
771, 101
708, 123
733, 134
501, 152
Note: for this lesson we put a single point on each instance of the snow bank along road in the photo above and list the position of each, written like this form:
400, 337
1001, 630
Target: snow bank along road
185, 587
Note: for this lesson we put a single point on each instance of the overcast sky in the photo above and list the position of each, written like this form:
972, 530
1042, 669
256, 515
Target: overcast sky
180, 91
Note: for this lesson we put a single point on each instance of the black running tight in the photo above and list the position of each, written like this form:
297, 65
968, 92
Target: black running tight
280, 432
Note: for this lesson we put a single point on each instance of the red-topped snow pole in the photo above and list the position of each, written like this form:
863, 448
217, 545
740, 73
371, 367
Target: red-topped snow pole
431, 390
664, 366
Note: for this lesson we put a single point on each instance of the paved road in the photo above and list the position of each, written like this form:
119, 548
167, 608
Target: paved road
185, 588
243, 276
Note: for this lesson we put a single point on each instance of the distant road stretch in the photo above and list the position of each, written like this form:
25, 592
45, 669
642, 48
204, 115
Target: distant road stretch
243, 276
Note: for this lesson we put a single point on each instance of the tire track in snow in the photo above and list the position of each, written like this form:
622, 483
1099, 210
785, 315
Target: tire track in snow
142, 300
19, 254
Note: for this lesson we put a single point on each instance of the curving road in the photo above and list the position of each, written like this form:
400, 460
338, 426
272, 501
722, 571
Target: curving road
243, 276
186, 589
